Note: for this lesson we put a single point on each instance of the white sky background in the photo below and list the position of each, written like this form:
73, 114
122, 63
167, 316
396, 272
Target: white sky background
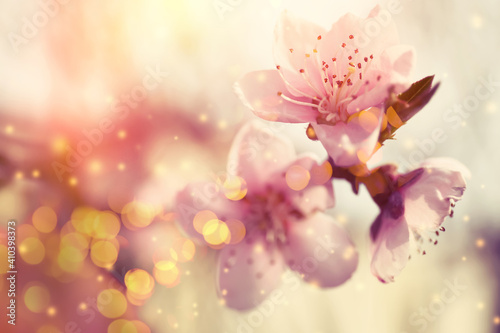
455, 40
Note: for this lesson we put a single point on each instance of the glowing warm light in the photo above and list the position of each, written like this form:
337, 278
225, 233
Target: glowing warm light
103, 254
237, 231
111, 303
122, 134
35, 173
496, 320
73, 181
51, 311
106, 225
44, 219
297, 177
32, 250
19, 175
222, 124
235, 188
480, 243
9, 129
48, 329
121, 166
95, 167
166, 273
139, 282
201, 218
82, 219
138, 214
70, 259
320, 174
182, 250
215, 232
203, 118
37, 298
59, 145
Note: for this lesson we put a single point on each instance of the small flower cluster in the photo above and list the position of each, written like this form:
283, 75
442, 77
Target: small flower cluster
268, 212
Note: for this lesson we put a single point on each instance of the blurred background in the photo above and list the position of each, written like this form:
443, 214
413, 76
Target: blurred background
108, 108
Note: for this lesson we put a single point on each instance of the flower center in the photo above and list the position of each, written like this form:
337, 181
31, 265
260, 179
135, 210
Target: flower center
270, 214
343, 78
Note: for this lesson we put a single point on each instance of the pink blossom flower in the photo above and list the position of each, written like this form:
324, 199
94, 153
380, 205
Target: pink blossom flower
336, 80
420, 202
282, 212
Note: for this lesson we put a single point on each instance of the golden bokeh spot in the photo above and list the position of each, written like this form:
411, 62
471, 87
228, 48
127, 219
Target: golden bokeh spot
141, 327
95, 167
201, 218
182, 250
44, 219
203, 118
122, 134
137, 214
106, 225
237, 231
121, 166
215, 232
73, 181
139, 282
70, 259
19, 175
76, 240
82, 219
58, 145
122, 326
48, 329
297, 177
348, 253
320, 174
480, 243
368, 119
51, 311
32, 250
9, 129
111, 303
103, 254
37, 298
496, 320
35, 173
235, 188
363, 156
166, 273
393, 118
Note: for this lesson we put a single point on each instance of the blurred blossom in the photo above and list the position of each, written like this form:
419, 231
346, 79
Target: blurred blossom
418, 204
279, 199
